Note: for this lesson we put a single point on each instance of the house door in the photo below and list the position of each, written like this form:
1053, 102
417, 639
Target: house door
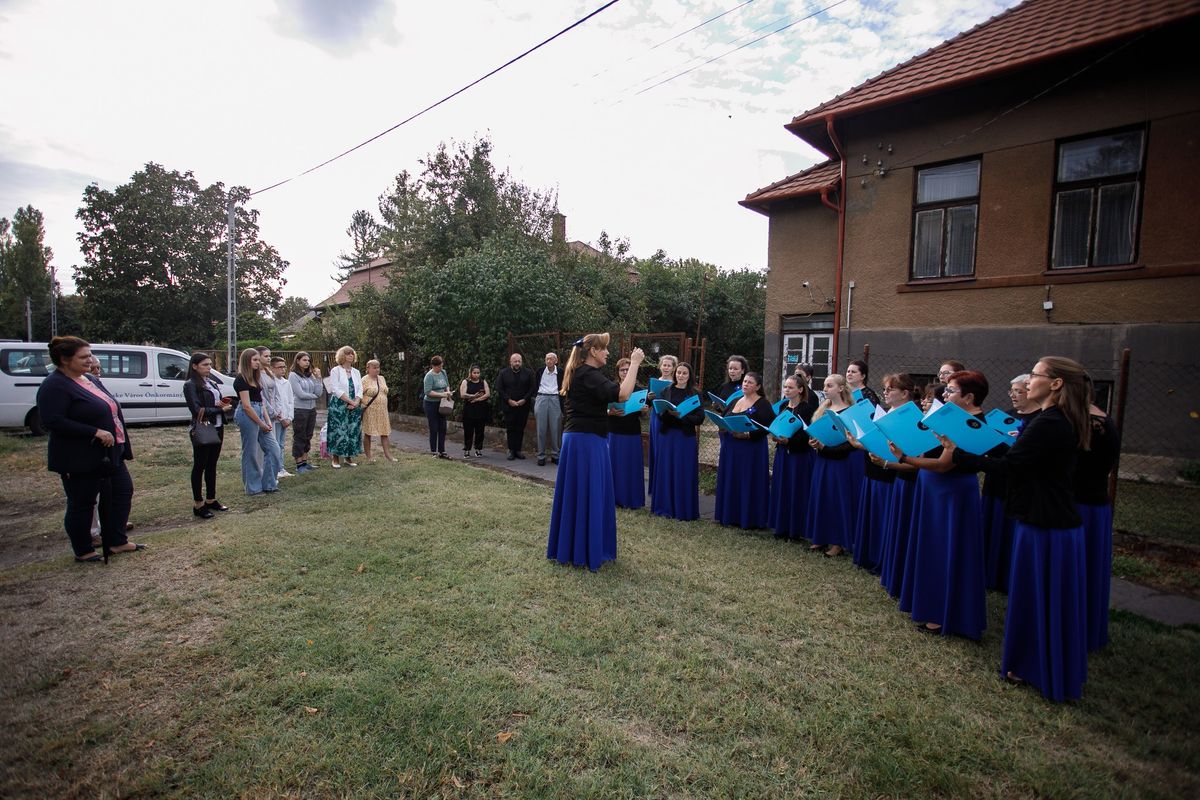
807, 348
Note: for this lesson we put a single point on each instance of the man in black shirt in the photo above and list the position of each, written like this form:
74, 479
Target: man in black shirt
516, 387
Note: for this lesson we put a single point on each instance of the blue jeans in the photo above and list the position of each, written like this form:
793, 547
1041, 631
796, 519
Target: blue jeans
280, 437
261, 460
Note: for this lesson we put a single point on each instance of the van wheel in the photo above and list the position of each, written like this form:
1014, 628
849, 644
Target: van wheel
34, 423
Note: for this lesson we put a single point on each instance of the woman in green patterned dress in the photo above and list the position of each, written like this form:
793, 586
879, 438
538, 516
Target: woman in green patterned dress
344, 436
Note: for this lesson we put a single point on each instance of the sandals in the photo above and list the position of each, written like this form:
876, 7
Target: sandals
136, 548
94, 558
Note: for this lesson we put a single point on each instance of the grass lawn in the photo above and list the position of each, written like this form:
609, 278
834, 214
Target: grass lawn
396, 631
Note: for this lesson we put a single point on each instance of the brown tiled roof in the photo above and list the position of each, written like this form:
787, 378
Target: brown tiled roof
1026, 34
809, 181
377, 272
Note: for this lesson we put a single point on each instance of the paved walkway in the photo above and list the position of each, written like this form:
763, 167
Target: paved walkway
1165, 608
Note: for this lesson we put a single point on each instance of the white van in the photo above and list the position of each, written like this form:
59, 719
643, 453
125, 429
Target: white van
147, 381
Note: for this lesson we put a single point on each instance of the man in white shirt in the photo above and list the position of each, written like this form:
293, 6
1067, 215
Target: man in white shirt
547, 410
286, 407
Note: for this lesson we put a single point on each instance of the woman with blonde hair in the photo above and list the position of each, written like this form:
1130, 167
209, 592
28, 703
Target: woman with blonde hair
260, 448
344, 438
375, 421
1045, 629
666, 371
583, 517
837, 476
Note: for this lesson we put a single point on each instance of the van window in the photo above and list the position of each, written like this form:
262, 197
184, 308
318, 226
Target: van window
26, 362
116, 364
172, 367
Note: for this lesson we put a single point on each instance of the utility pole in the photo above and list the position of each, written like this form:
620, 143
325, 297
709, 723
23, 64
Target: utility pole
53, 303
231, 297
28, 320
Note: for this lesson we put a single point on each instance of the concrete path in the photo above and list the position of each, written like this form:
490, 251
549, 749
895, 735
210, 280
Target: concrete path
1165, 608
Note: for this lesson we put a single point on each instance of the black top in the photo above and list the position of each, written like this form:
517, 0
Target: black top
586, 406
994, 484
869, 393
1092, 467
1040, 469
627, 424
800, 443
203, 398
761, 412
475, 410
240, 385
877, 473
72, 414
689, 421
519, 385
727, 388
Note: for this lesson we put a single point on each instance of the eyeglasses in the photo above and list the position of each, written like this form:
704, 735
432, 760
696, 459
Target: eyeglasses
952, 390
1017, 390
944, 373
1041, 375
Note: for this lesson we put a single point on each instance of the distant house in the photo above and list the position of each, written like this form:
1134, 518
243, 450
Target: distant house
376, 272
1028, 187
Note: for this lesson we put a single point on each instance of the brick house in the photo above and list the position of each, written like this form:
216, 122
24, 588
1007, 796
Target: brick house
1030, 186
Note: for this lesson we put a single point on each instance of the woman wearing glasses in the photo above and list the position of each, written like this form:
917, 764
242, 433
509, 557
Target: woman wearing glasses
1045, 643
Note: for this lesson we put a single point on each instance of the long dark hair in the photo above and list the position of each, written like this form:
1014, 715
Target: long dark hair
194, 376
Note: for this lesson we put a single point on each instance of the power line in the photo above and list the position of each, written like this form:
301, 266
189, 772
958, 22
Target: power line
742, 47
445, 99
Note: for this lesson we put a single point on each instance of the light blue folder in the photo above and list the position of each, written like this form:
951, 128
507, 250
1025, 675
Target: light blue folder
735, 423
779, 406
785, 426
728, 401
965, 431
1003, 422
690, 404
861, 412
635, 403
828, 430
857, 394
871, 438
658, 385
904, 428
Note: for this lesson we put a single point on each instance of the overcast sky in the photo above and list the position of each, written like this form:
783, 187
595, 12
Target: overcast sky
249, 93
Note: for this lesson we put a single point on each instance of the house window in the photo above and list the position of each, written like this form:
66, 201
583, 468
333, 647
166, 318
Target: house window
1096, 196
945, 217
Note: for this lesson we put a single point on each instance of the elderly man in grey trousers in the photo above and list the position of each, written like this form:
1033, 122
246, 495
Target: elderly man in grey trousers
547, 410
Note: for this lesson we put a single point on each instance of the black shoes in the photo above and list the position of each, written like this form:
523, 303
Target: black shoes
512, 456
215, 505
553, 459
520, 455
203, 512
541, 462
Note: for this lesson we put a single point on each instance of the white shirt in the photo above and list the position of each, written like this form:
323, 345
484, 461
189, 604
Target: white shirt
287, 402
549, 384
339, 382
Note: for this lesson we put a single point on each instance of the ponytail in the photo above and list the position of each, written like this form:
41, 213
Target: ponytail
579, 353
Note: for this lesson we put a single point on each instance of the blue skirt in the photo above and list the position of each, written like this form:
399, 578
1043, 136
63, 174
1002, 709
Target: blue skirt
1097, 531
629, 475
869, 521
1045, 630
676, 491
997, 542
652, 446
945, 562
897, 530
743, 483
790, 483
836, 483
583, 518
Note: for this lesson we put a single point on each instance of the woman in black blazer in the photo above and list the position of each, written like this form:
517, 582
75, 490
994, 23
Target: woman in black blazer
88, 447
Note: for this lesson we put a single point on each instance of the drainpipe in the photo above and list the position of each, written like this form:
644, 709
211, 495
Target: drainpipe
825, 199
841, 247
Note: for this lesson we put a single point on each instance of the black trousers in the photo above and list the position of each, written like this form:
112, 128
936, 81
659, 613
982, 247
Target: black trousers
303, 424
204, 463
515, 420
473, 433
116, 498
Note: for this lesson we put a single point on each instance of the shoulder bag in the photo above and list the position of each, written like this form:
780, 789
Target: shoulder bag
203, 432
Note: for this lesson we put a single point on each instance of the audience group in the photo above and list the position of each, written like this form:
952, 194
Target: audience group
1040, 529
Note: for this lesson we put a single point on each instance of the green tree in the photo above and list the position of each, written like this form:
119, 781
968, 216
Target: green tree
457, 201
24, 273
155, 259
290, 310
365, 245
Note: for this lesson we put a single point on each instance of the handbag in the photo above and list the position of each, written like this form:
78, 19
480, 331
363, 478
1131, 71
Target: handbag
446, 406
203, 432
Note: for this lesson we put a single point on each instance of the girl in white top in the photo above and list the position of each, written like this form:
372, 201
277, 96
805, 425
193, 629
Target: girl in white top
286, 406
